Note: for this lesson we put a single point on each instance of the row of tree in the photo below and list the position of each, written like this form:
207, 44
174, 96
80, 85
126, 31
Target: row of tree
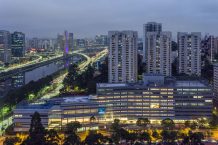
38, 135
167, 137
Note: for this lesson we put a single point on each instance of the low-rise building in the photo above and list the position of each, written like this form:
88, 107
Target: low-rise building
178, 100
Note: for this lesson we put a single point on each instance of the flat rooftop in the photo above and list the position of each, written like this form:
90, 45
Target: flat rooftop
189, 84
112, 85
176, 83
79, 99
47, 104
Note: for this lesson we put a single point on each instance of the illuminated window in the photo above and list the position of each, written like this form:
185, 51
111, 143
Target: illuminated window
208, 101
18, 115
155, 105
154, 89
198, 97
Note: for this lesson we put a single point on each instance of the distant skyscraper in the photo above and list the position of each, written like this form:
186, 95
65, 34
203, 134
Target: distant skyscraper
18, 44
123, 56
152, 27
149, 27
209, 46
18, 80
60, 42
66, 43
80, 43
34, 43
101, 40
5, 46
189, 53
158, 53
71, 41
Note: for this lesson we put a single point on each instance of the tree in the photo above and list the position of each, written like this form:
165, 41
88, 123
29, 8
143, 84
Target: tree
207, 71
52, 137
194, 125
175, 67
72, 127
173, 136
36, 132
132, 137
115, 127
94, 138
142, 122
174, 46
138, 143
69, 80
186, 140
104, 71
72, 138
196, 137
187, 123
168, 124
214, 119
141, 65
169, 136
165, 135
124, 134
145, 136
155, 134
203, 122
11, 141
92, 119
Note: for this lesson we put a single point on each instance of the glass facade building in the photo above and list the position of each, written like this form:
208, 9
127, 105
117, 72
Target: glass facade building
18, 44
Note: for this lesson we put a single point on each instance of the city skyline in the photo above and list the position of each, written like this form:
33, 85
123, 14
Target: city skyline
47, 18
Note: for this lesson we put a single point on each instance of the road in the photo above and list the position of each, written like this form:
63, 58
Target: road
38, 60
82, 67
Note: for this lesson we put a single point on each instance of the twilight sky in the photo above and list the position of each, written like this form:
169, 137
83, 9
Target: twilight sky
46, 18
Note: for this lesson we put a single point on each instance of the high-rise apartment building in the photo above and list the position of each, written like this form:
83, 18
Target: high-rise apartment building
5, 46
101, 40
149, 27
71, 42
215, 83
215, 77
189, 53
209, 46
66, 43
158, 53
18, 44
152, 27
123, 56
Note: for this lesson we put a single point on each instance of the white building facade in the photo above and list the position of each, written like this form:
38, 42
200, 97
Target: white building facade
123, 66
149, 27
189, 45
158, 53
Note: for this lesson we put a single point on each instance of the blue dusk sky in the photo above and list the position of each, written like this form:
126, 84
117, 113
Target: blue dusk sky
86, 18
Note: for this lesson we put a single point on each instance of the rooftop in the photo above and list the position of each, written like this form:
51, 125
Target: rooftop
112, 85
170, 83
190, 84
47, 104
80, 99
